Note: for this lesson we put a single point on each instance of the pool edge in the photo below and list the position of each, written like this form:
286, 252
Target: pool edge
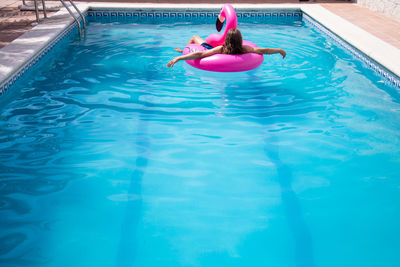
374, 50
22, 53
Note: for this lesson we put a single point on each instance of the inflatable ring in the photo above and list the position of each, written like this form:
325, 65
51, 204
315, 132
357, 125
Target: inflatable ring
224, 62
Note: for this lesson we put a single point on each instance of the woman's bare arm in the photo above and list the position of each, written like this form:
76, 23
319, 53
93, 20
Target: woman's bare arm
196, 55
267, 51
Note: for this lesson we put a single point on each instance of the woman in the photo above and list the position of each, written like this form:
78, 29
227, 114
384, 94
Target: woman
233, 46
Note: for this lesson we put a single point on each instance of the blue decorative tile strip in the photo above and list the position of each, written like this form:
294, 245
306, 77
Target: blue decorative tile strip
193, 14
11, 80
372, 64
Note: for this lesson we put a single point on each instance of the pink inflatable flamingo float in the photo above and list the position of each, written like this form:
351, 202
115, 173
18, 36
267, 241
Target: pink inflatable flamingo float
224, 62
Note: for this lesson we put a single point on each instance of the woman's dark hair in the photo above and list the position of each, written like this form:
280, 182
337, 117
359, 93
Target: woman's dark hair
233, 42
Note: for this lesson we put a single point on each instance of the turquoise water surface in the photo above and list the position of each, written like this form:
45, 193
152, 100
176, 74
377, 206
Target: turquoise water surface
109, 158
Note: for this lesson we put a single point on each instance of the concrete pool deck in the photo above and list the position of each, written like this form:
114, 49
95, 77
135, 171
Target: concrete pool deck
374, 34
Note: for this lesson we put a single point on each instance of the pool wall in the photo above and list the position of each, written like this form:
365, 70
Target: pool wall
371, 63
25, 51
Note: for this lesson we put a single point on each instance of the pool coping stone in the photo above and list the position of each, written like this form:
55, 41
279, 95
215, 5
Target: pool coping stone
20, 54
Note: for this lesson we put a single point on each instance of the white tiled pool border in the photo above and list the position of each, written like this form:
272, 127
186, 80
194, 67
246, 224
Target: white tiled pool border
23, 52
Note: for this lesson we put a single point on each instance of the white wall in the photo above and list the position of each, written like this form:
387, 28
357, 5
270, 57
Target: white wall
388, 7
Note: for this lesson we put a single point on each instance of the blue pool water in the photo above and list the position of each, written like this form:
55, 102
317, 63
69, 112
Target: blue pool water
109, 158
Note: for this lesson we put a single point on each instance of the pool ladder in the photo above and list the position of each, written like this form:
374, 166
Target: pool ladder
66, 6
73, 15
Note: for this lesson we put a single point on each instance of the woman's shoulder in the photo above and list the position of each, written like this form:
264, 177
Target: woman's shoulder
248, 49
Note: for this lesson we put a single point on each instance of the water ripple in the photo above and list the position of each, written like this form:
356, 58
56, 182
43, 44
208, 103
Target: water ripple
103, 127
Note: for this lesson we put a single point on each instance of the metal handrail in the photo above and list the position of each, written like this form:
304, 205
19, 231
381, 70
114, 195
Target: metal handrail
80, 13
37, 9
72, 14
68, 9
44, 9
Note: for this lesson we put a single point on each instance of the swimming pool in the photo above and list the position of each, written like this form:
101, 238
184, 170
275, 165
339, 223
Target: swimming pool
108, 158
